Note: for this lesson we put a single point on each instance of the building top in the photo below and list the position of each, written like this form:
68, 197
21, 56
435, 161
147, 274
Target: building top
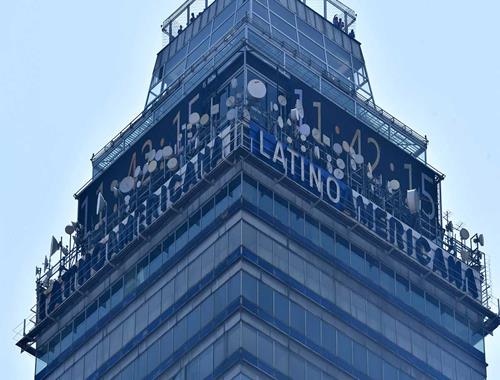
193, 37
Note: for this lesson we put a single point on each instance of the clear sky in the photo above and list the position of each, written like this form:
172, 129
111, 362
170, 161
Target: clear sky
74, 73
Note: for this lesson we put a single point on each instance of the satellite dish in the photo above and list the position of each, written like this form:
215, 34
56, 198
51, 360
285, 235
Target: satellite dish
230, 101
413, 200
69, 229
172, 163
464, 234
305, 130
234, 82
353, 165
246, 114
340, 163
369, 172
282, 100
303, 149
394, 185
159, 155
280, 122
275, 107
294, 115
126, 184
359, 159
337, 148
481, 240
303, 137
204, 119
194, 118
339, 174
316, 134
137, 171
167, 151
328, 157
289, 140
346, 146
152, 166
257, 88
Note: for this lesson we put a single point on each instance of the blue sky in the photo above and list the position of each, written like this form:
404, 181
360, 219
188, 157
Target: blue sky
73, 74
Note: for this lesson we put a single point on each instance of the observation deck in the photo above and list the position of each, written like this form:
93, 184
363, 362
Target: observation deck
291, 35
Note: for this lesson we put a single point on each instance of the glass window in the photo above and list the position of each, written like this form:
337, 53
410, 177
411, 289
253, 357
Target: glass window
389, 327
91, 315
249, 337
79, 326
66, 336
207, 311
155, 259
461, 327
432, 308
281, 358
313, 328
390, 372
194, 272
403, 336
327, 239
179, 334
312, 230
297, 367
344, 347
166, 344
206, 360
250, 190
281, 307
418, 345
281, 209
194, 224
374, 366
447, 318
297, 268
329, 337
207, 213
233, 288
433, 355
358, 307
266, 298
417, 298
403, 289
265, 200
129, 328
104, 303
342, 249
296, 220
193, 322
235, 189
221, 201
373, 316
372, 269
249, 235
234, 237
358, 259
141, 316
250, 288
142, 270
265, 247
387, 278
265, 349
153, 353
117, 292
343, 296
298, 318
115, 340
168, 247
181, 237
220, 299
360, 358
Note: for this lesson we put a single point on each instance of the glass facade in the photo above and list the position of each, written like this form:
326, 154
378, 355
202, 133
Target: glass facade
248, 277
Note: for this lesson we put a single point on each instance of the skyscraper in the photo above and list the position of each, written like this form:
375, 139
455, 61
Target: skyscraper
262, 218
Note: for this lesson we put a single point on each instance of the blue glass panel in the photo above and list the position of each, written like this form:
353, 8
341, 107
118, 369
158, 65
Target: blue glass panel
250, 288
432, 308
298, 318
221, 201
313, 328
281, 307
447, 318
297, 367
181, 237
265, 200
117, 292
358, 259
387, 279
194, 224
390, 372
403, 289
281, 209
360, 358
180, 333
250, 190
265, 349
372, 269
312, 230
329, 337
297, 220
155, 259
207, 213
374, 366
206, 360
266, 298
417, 298
344, 347
342, 249
327, 239
104, 303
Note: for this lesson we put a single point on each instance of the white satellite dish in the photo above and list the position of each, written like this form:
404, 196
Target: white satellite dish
294, 114
234, 82
167, 151
337, 148
194, 118
316, 152
275, 107
137, 171
340, 163
328, 157
359, 159
353, 165
329, 167
282, 100
289, 140
246, 114
159, 155
305, 130
152, 166
464, 234
303, 137
316, 134
413, 200
394, 185
280, 122
303, 149
172, 163
339, 174
257, 88
346, 146
126, 184
204, 119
